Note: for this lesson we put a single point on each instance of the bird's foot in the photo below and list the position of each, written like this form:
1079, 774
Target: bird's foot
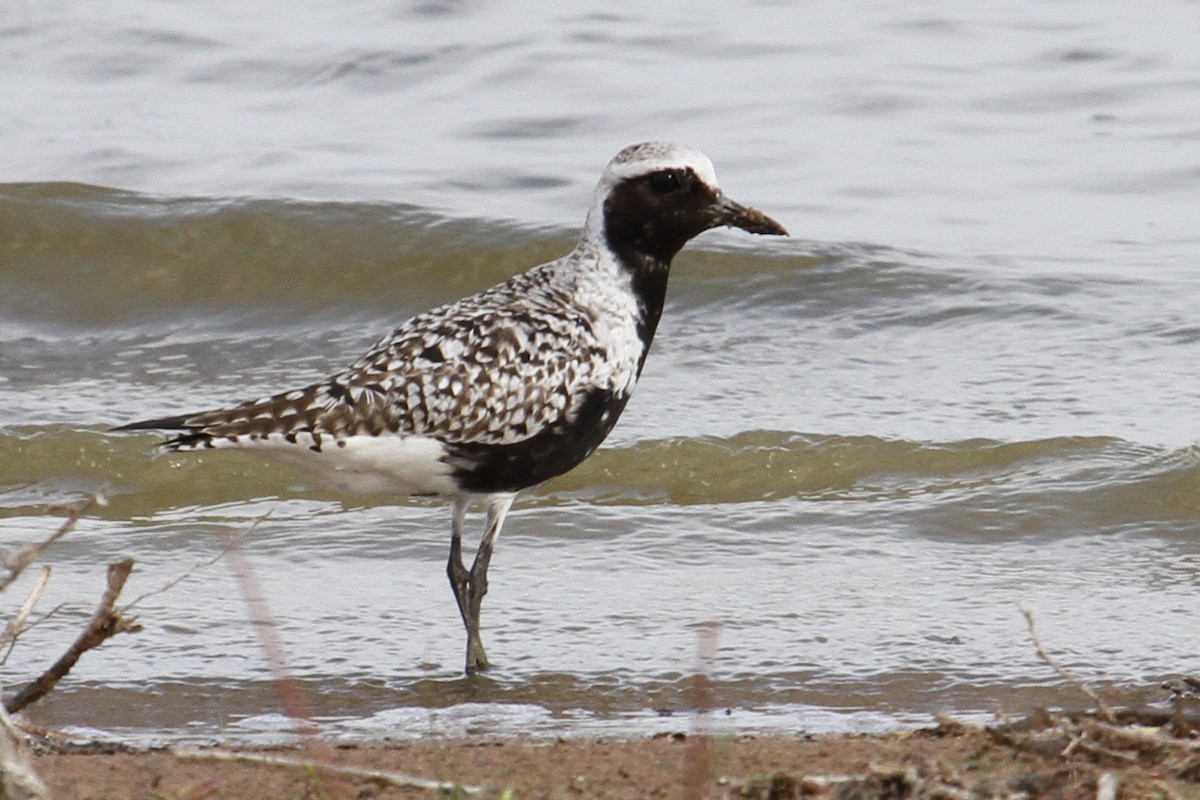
476, 657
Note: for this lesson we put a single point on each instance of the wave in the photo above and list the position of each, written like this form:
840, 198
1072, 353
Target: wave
90, 260
1104, 481
79, 256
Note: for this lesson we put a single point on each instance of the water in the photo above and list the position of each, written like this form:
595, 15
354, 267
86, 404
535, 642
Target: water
965, 384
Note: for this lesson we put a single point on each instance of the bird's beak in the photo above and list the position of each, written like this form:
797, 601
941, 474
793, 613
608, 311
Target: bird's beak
751, 220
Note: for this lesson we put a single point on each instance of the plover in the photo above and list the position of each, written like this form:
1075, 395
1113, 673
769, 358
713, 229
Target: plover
505, 389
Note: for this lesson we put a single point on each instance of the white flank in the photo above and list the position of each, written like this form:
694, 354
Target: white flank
376, 465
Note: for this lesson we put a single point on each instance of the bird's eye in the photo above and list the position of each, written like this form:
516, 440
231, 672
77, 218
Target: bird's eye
666, 181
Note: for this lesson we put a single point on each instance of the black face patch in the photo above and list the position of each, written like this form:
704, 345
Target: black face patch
653, 216
647, 220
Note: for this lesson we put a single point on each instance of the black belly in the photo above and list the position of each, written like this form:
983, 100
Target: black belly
487, 468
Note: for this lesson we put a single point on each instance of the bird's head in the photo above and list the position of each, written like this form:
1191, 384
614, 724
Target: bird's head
656, 196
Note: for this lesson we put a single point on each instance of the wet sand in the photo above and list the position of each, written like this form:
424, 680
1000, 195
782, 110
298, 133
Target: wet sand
945, 761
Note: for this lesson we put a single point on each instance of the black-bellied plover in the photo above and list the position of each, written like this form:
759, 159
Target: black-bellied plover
505, 389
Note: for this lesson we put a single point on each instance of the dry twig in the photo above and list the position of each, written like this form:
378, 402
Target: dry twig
17, 624
1139, 739
1105, 711
16, 562
17, 778
384, 777
232, 539
697, 762
291, 696
18, 781
106, 622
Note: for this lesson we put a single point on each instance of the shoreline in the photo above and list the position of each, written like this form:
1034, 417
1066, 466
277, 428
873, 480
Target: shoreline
1029, 758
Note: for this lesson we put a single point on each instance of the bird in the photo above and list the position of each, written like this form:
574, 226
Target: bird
481, 398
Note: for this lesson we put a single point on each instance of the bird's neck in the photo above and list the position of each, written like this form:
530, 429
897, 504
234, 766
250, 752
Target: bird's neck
648, 279
644, 257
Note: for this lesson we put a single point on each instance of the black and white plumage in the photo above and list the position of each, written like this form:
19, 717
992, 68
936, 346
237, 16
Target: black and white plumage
504, 389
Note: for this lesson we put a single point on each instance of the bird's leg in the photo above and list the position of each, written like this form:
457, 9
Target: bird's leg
474, 584
456, 571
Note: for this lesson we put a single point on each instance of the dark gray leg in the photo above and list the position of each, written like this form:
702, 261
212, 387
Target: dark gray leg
471, 585
460, 578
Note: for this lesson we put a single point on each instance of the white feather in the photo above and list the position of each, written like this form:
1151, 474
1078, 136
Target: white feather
365, 465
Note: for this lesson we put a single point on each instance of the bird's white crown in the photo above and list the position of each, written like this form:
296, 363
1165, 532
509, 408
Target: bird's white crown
643, 159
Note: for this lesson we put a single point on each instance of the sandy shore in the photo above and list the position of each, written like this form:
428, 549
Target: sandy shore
948, 761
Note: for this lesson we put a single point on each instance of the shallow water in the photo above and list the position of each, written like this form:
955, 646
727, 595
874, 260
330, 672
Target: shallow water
965, 384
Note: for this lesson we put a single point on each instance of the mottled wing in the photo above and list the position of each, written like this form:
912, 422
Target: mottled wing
320, 412
486, 374
485, 370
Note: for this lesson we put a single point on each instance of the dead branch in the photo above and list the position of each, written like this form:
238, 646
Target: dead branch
1105, 711
1106, 786
291, 696
697, 763
384, 777
17, 624
106, 622
16, 562
33, 623
1100, 753
18, 781
320, 755
232, 539
1140, 739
